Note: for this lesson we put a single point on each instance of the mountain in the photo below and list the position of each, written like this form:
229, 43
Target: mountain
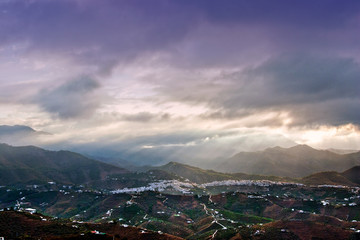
18, 130
350, 177
342, 151
294, 162
33, 164
20, 135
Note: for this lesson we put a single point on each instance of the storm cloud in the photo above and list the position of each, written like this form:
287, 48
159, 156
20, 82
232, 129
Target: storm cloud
313, 90
106, 33
310, 90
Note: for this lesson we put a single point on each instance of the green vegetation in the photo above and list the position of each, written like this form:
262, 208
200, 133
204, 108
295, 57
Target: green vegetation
194, 213
243, 218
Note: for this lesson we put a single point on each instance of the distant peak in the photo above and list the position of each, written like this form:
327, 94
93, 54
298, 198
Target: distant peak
177, 164
172, 163
276, 148
16, 128
19, 129
301, 146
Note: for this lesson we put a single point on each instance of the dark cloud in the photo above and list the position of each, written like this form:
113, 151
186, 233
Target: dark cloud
300, 13
311, 90
92, 32
75, 98
292, 80
104, 33
314, 90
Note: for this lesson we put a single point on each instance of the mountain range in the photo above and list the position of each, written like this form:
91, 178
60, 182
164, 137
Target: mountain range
198, 175
31, 164
295, 162
350, 177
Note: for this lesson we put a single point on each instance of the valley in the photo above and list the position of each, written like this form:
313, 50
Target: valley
217, 210
174, 200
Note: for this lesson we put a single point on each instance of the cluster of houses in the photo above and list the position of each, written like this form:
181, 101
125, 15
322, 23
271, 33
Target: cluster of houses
160, 186
186, 187
260, 183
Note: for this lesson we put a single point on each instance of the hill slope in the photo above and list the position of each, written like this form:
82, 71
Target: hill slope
33, 164
327, 178
199, 175
353, 174
19, 225
194, 174
295, 162
350, 177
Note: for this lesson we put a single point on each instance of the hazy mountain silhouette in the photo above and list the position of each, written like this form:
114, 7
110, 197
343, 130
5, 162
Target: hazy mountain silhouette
20, 135
33, 164
295, 162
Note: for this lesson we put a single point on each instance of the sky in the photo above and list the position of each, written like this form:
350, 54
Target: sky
151, 81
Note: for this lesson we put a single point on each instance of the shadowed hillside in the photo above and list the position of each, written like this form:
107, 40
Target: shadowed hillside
33, 164
350, 177
353, 174
18, 225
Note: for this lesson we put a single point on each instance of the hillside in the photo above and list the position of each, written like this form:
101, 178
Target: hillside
299, 210
294, 162
199, 175
350, 177
32, 164
19, 225
194, 174
327, 178
353, 174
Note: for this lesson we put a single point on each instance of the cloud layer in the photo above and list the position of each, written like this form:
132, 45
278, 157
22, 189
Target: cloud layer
142, 75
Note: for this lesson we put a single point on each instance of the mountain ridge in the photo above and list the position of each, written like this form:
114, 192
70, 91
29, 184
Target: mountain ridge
29, 163
295, 162
19, 129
